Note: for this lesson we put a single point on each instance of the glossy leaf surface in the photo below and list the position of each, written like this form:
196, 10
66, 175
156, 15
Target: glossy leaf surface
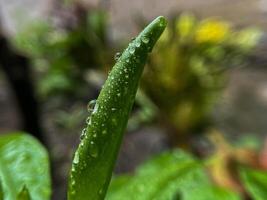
96, 155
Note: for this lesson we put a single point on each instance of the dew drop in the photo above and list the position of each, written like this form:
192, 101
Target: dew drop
76, 158
100, 191
93, 150
72, 183
73, 192
119, 94
83, 134
95, 109
90, 106
104, 132
82, 143
87, 121
113, 109
132, 50
117, 56
145, 40
138, 44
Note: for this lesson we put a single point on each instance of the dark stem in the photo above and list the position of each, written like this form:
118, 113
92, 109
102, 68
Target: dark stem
17, 70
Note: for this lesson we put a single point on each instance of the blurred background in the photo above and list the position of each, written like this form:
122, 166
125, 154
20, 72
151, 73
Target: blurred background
204, 88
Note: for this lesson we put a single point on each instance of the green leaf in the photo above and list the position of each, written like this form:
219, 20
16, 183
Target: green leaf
96, 155
171, 175
204, 192
1, 191
24, 161
255, 182
24, 194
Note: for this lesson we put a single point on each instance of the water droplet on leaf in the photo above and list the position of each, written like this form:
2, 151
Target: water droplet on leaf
83, 134
76, 158
87, 121
95, 109
132, 50
117, 56
93, 150
138, 44
145, 40
90, 106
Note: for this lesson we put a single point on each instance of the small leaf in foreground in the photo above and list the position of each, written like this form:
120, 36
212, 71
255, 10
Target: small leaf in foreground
24, 161
255, 182
171, 175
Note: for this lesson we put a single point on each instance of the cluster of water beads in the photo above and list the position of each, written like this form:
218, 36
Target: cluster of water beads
83, 134
90, 108
92, 105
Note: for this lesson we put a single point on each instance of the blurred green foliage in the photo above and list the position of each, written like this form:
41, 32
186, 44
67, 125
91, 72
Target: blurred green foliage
187, 70
171, 175
255, 182
24, 165
230, 173
62, 55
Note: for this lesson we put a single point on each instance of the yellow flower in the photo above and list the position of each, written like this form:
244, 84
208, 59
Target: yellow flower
212, 31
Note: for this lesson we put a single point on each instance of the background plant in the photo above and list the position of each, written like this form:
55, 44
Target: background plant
63, 53
188, 71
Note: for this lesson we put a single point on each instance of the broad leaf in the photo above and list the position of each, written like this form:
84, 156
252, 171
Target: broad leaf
255, 182
24, 161
172, 175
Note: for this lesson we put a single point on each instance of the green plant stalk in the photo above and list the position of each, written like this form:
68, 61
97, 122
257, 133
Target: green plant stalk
95, 157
